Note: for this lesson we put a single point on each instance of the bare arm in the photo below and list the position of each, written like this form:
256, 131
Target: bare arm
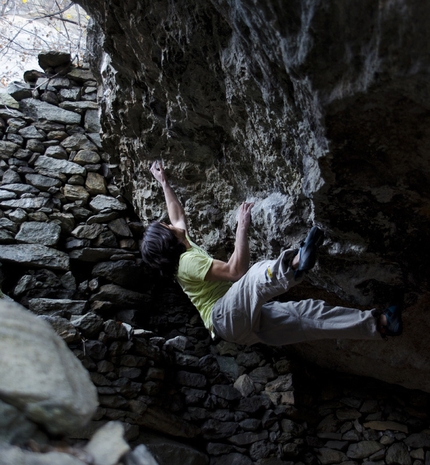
174, 208
238, 264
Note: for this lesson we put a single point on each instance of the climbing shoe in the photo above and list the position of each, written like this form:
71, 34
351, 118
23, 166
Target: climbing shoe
394, 326
308, 251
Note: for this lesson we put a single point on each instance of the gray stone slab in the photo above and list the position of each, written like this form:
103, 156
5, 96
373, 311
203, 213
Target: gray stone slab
79, 107
42, 182
92, 121
10, 113
36, 232
56, 151
35, 255
19, 188
7, 149
78, 142
95, 254
6, 237
43, 110
102, 203
71, 94
62, 166
33, 203
80, 75
96, 139
30, 132
6, 194
44, 306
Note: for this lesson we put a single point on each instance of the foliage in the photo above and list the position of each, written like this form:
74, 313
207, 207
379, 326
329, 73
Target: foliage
28, 27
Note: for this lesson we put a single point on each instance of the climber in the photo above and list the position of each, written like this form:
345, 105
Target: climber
233, 299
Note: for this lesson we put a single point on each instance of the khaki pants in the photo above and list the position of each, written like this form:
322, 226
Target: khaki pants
245, 316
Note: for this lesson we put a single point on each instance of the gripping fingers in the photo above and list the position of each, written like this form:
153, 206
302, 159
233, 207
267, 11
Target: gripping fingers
247, 207
156, 165
245, 213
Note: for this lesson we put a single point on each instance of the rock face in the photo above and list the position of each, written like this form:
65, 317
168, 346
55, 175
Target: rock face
316, 111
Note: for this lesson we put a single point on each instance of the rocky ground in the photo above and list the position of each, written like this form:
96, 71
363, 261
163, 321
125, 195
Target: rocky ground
69, 254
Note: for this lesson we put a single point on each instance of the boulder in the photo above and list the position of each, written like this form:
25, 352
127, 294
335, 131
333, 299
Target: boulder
39, 375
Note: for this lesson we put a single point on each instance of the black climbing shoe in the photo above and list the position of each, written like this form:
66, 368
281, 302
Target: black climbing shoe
308, 251
394, 326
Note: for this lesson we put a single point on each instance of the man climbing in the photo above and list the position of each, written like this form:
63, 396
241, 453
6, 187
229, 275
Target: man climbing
234, 300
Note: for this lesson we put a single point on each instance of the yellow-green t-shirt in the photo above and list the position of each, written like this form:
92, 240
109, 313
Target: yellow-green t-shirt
193, 267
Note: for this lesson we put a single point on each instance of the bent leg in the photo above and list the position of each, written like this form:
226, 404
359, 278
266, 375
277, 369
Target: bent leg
283, 323
236, 315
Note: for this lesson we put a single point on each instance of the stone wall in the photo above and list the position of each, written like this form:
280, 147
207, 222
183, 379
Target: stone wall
61, 211
68, 249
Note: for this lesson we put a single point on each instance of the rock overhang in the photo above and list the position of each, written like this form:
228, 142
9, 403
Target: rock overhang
324, 106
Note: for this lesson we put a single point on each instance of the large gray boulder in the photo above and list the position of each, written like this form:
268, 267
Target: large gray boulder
39, 376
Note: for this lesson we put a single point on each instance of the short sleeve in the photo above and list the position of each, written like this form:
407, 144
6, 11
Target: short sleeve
194, 266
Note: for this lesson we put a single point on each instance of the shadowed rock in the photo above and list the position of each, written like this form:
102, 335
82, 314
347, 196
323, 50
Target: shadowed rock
317, 112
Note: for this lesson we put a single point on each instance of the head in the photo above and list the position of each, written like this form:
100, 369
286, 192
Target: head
161, 249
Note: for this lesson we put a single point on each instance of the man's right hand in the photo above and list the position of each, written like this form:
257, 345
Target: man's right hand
174, 208
157, 171
244, 216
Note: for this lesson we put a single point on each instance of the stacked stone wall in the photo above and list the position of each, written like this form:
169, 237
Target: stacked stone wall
69, 253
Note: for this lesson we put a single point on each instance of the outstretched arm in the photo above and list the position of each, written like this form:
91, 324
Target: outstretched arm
174, 208
238, 264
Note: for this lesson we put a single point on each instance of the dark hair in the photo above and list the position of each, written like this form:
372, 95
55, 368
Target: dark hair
161, 249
